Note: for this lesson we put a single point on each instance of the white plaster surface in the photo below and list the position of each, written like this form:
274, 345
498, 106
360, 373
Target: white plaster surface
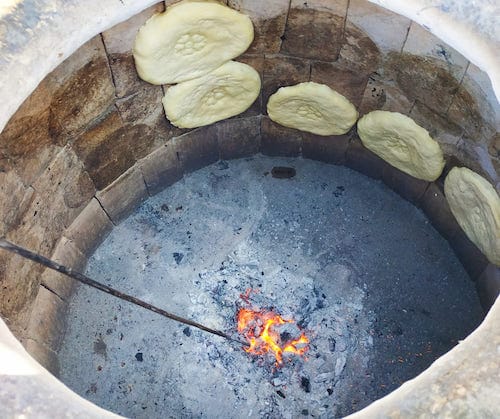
28, 390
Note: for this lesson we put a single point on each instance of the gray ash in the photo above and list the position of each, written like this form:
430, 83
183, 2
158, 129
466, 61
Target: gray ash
327, 248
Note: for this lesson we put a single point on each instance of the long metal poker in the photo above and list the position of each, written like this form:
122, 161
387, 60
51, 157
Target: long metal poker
77, 276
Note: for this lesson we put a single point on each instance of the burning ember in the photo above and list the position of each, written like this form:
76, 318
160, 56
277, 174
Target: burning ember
265, 333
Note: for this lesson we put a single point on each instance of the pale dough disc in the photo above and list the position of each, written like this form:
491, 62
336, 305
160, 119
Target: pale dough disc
312, 107
189, 40
476, 207
225, 92
402, 143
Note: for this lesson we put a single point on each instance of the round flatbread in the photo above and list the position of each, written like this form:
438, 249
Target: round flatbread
225, 92
312, 107
188, 40
476, 207
402, 143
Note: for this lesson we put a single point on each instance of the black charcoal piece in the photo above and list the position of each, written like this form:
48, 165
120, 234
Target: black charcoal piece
305, 383
281, 172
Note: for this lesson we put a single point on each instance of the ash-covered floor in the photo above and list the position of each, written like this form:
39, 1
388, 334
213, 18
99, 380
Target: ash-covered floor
377, 289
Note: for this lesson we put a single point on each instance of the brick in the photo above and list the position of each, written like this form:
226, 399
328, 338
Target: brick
161, 168
277, 140
238, 138
124, 195
47, 322
348, 82
280, 71
89, 229
488, 286
328, 149
406, 186
313, 34
67, 254
268, 19
46, 357
197, 148
359, 158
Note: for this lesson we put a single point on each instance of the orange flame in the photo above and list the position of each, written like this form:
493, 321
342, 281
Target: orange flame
258, 328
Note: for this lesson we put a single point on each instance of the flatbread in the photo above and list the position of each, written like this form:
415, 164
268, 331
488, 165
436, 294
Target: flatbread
189, 40
312, 107
225, 92
476, 207
402, 143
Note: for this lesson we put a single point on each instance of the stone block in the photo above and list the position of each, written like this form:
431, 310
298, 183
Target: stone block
359, 158
161, 168
475, 107
384, 95
280, 71
124, 195
313, 34
359, 52
17, 294
85, 92
466, 112
422, 78
445, 132
387, 29
437, 210
406, 186
476, 157
120, 38
277, 140
269, 19
238, 138
26, 144
66, 253
423, 43
46, 357
61, 192
197, 148
488, 286
125, 77
471, 258
328, 149
89, 229
144, 107
110, 148
15, 199
47, 322
348, 82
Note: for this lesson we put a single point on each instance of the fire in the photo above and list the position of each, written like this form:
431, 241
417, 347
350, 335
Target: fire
259, 328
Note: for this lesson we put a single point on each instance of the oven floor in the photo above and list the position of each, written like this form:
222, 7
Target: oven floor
377, 289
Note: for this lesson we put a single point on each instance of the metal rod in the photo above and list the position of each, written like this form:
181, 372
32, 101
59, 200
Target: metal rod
35, 257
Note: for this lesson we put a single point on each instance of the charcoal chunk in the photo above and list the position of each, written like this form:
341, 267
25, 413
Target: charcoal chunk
280, 172
305, 383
